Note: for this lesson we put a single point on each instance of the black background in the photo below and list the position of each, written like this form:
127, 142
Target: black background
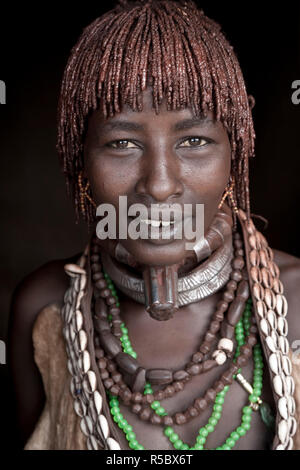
37, 220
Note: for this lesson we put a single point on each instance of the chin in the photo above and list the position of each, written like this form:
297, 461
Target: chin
155, 253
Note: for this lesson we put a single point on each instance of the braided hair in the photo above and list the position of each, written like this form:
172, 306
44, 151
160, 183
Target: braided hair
172, 47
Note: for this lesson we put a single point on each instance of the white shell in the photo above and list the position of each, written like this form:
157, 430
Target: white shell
250, 227
92, 443
78, 300
80, 408
72, 333
92, 380
219, 356
282, 326
283, 407
82, 340
112, 444
225, 344
275, 337
270, 343
271, 317
292, 425
64, 311
280, 447
285, 384
87, 424
281, 305
264, 327
283, 431
66, 296
84, 426
82, 282
77, 284
283, 344
286, 365
98, 401
285, 306
69, 315
291, 405
88, 444
72, 388
290, 444
278, 386
290, 385
273, 362
73, 270
66, 334
79, 320
85, 362
70, 367
270, 299
104, 426
261, 309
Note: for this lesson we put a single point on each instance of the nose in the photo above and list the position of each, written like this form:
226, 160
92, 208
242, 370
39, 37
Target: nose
160, 177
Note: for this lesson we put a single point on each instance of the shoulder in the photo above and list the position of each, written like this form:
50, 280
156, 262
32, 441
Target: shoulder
289, 267
43, 287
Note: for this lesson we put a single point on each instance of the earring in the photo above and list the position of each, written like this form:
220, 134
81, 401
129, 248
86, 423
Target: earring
84, 194
229, 192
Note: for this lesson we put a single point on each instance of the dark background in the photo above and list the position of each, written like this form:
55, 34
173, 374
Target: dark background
37, 220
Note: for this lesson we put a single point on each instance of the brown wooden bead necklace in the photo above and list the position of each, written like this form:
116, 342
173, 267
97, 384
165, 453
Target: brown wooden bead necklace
111, 359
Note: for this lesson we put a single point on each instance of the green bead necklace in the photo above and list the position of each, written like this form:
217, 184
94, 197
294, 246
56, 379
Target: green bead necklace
241, 331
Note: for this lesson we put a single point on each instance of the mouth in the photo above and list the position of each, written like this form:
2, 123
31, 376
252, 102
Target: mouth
161, 231
157, 223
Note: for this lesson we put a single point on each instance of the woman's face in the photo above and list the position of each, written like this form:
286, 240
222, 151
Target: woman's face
157, 159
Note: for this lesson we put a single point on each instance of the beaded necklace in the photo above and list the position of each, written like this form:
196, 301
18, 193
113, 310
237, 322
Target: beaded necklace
242, 329
87, 363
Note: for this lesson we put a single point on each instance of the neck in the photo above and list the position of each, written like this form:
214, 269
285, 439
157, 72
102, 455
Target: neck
163, 289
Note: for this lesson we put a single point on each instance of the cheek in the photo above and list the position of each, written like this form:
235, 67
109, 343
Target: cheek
207, 181
109, 179
209, 177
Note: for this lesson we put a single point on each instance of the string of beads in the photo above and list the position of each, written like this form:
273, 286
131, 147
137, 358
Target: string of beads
241, 330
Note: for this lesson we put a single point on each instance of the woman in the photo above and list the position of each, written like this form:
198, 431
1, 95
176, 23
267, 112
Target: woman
149, 336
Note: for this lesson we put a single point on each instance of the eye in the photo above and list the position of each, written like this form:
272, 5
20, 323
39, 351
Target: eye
195, 142
121, 144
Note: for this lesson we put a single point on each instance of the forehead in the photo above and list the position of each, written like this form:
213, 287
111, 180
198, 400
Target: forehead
147, 118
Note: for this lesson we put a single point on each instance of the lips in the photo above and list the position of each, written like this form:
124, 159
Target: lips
157, 223
163, 213
162, 231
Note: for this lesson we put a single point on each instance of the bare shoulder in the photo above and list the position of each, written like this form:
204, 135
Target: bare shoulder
289, 267
44, 286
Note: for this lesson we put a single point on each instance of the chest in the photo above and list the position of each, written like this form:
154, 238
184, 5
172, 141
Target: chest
258, 437
171, 345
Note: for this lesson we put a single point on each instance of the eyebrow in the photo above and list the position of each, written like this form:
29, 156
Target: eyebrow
179, 126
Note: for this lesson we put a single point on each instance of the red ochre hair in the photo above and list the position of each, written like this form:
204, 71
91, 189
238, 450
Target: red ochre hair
172, 47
